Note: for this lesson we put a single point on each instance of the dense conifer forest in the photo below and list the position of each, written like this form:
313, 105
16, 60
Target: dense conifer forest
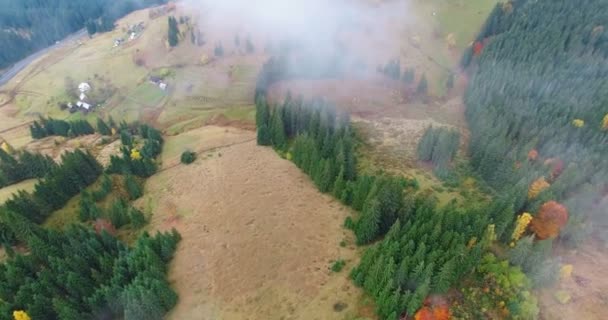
80, 272
536, 105
23, 165
30, 25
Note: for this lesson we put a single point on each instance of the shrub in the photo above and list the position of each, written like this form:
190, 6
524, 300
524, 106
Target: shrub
338, 265
188, 157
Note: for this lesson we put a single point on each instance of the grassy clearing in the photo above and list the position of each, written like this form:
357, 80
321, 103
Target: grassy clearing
463, 18
69, 213
147, 94
8, 191
204, 138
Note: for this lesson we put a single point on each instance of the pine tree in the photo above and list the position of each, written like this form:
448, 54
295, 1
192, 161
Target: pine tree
277, 131
137, 218
422, 86
133, 187
103, 128
339, 185
173, 33
450, 82
368, 226
427, 144
409, 75
443, 280
249, 46
219, 50
125, 138
418, 297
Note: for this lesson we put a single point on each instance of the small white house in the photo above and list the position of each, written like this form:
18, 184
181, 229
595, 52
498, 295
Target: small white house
84, 87
83, 105
162, 86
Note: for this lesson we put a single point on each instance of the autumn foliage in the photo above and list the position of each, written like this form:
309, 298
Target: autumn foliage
549, 221
520, 226
477, 48
101, 225
532, 155
605, 122
579, 123
557, 167
537, 187
435, 308
20, 315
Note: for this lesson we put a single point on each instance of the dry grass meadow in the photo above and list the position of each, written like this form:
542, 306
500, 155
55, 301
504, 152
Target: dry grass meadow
258, 238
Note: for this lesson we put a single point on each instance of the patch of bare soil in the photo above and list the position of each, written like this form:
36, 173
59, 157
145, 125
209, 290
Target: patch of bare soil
372, 97
258, 238
587, 287
221, 120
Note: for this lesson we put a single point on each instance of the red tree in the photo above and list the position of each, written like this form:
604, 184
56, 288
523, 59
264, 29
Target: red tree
549, 221
477, 48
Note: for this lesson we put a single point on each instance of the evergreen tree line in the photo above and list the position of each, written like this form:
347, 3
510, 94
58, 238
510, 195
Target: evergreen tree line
53, 127
439, 146
30, 25
133, 161
78, 274
78, 170
540, 70
23, 166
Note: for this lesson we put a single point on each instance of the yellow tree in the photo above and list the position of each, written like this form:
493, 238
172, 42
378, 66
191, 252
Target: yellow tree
521, 225
605, 122
537, 187
7, 147
20, 315
135, 155
579, 123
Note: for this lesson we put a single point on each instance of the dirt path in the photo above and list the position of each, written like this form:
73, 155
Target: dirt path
258, 238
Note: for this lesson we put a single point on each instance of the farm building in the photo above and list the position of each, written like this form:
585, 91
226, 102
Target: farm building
84, 87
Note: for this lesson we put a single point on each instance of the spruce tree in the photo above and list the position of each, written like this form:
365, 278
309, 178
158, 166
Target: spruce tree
103, 128
368, 226
173, 33
277, 130
422, 86
133, 187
